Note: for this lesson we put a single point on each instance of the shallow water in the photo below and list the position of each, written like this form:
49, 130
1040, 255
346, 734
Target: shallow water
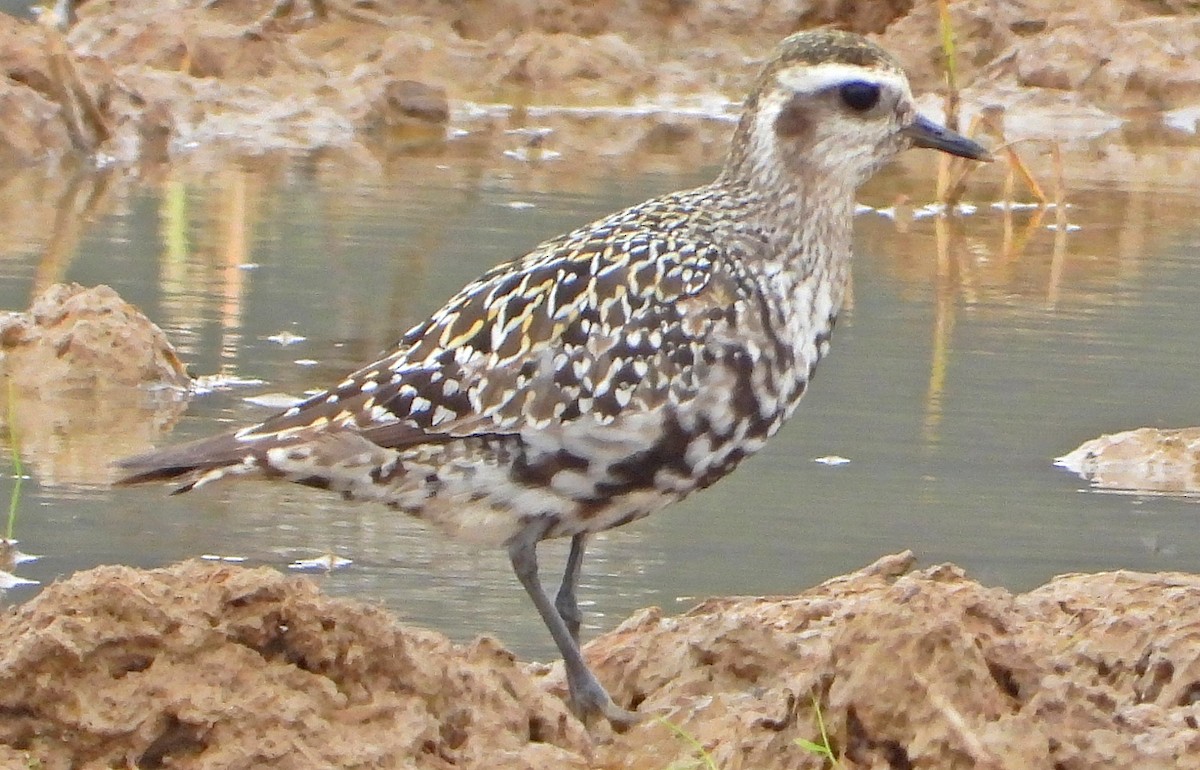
974, 351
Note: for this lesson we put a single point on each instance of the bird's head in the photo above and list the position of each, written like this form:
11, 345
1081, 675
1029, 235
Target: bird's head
835, 107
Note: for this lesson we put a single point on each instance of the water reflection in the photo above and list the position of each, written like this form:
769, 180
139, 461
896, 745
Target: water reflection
976, 349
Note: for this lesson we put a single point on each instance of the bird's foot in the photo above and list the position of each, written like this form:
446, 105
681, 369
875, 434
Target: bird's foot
589, 700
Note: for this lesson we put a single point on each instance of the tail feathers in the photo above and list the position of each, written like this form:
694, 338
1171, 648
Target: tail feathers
196, 462
336, 460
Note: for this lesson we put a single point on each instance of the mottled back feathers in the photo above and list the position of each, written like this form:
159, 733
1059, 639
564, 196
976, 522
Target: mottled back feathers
587, 324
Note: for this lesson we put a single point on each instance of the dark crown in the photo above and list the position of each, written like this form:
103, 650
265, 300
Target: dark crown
831, 46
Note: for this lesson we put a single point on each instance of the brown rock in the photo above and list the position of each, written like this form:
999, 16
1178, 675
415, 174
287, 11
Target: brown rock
408, 104
945, 645
861, 16
983, 32
148, 80
75, 338
31, 123
30, 127
418, 101
1139, 64
91, 380
1151, 459
1118, 55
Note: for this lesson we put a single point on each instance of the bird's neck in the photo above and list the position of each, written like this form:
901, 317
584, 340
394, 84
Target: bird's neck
801, 224
794, 234
803, 209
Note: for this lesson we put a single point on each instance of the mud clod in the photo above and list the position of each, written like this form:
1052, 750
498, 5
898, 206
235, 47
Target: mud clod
213, 666
91, 379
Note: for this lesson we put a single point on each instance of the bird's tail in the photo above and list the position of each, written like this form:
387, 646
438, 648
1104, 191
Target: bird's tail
342, 460
194, 463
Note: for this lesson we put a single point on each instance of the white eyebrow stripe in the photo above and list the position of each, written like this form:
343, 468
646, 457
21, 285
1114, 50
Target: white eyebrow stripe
813, 78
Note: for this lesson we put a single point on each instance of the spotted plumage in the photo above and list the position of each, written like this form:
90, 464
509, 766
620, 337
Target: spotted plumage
621, 366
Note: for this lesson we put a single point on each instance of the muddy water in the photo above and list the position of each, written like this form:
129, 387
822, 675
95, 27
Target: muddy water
974, 352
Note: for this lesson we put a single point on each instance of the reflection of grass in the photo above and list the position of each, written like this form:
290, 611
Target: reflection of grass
14, 500
823, 747
700, 757
9, 555
175, 222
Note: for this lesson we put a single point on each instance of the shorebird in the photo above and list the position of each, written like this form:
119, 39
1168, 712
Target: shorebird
619, 367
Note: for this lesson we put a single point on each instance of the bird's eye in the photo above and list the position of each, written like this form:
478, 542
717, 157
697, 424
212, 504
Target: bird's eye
860, 95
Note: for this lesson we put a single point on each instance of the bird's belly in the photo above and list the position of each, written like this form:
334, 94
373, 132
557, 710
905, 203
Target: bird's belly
580, 476
583, 475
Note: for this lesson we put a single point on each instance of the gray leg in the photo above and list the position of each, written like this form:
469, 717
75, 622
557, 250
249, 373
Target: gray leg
588, 696
564, 602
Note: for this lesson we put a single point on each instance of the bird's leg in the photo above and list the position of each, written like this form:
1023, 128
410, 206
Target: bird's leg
588, 696
565, 602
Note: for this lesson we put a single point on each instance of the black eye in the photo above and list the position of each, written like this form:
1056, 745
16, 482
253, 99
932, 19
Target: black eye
860, 95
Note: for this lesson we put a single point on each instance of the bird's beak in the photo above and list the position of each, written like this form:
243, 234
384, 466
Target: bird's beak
923, 132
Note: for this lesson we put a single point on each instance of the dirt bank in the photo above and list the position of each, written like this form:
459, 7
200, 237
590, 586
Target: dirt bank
205, 666
142, 80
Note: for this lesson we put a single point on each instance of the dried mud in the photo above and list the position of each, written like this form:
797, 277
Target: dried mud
214, 666
202, 665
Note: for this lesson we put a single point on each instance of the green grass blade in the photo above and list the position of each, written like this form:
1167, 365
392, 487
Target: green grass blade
695, 745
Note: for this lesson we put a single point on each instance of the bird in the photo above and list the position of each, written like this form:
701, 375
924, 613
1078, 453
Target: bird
619, 367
